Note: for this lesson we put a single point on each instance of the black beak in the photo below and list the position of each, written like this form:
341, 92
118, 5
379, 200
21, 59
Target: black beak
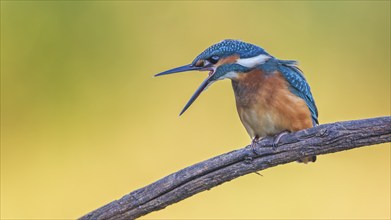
201, 88
184, 68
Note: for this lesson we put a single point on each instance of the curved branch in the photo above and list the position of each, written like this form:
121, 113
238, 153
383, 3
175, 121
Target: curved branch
323, 139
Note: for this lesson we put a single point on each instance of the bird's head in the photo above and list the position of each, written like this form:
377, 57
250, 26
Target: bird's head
226, 59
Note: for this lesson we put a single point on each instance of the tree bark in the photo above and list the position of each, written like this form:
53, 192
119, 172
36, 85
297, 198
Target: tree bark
322, 139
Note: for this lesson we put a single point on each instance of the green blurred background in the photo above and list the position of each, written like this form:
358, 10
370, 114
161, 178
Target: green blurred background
83, 121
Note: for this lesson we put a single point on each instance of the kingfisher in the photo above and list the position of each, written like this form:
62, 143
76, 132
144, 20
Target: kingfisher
272, 96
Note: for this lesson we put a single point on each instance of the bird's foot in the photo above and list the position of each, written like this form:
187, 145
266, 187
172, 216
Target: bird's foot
278, 137
254, 144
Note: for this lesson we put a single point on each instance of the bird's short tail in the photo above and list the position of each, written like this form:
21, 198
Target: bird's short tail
307, 159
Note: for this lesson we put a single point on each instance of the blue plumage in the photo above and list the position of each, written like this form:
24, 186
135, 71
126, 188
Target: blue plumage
288, 68
264, 104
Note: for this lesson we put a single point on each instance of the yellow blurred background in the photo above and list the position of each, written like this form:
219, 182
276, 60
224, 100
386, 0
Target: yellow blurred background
83, 121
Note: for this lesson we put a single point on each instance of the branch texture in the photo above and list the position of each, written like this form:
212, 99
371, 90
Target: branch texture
323, 139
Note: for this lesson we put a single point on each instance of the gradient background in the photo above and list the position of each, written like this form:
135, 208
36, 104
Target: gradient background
83, 121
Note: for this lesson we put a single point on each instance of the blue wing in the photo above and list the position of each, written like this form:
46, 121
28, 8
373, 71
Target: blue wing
298, 85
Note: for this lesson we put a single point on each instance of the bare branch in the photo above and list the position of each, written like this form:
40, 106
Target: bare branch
323, 139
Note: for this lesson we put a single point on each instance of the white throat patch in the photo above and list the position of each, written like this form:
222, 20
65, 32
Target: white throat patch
253, 61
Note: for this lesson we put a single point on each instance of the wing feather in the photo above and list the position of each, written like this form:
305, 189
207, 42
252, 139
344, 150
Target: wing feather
298, 85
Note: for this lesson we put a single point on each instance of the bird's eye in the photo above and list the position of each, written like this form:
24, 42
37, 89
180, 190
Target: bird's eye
214, 59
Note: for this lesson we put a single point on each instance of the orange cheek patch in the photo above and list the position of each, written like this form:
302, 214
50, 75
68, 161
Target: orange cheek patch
230, 59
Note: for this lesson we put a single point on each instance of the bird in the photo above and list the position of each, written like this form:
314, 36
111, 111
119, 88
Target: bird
272, 96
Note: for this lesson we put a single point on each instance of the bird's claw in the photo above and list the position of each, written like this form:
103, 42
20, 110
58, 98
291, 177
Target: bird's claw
253, 144
277, 139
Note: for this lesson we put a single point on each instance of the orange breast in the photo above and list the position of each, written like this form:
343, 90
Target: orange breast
267, 107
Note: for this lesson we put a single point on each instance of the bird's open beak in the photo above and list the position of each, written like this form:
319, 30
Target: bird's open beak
201, 88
